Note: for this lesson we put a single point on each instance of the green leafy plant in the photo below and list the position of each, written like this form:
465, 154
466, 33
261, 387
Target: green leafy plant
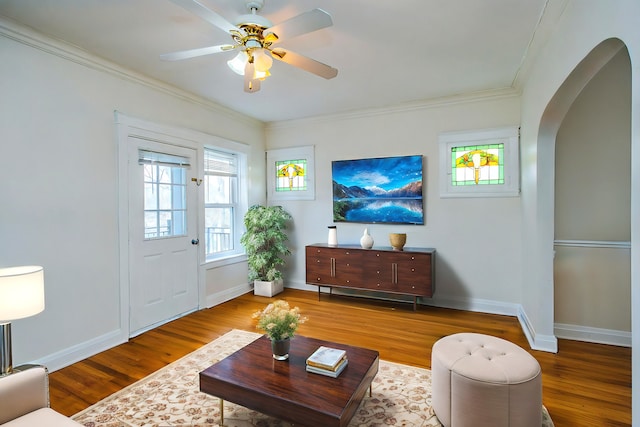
278, 320
265, 241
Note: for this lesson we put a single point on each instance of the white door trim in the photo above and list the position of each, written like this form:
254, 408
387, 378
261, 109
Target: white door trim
127, 127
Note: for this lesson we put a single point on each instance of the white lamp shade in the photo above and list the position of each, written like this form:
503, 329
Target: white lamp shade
238, 63
263, 60
21, 292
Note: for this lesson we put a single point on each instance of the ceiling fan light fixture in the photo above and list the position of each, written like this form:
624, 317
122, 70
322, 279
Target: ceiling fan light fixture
262, 60
261, 75
239, 62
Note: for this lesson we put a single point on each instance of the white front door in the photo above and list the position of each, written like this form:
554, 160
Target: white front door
163, 255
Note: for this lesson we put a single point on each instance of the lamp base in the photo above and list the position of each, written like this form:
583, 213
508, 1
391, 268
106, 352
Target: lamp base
6, 361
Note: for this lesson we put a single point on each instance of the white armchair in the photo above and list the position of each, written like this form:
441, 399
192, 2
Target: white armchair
24, 399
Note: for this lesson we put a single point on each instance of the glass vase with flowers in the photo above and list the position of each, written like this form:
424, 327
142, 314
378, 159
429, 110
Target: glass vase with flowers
279, 322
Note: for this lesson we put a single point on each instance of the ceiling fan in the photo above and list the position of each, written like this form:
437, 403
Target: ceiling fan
254, 36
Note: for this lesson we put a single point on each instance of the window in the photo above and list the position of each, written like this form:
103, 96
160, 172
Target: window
221, 202
165, 204
477, 164
290, 174
482, 163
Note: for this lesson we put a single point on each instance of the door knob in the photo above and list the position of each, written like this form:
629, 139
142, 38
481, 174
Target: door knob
195, 241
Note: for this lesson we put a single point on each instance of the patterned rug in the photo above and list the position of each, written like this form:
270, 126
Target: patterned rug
171, 397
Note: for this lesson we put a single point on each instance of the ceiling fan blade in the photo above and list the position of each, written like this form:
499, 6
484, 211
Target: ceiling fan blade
250, 84
305, 63
207, 14
307, 22
192, 53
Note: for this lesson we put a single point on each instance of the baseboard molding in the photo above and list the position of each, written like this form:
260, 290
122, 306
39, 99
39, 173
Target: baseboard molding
590, 334
81, 351
227, 294
548, 343
536, 341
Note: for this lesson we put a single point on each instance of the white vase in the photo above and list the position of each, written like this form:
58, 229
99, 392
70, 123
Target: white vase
366, 241
333, 236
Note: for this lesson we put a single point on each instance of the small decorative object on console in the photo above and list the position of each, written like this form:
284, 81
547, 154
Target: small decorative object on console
397, 240
332, 240
366, 241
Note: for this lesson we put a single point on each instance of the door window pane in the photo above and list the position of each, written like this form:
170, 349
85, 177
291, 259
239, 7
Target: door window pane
165, 201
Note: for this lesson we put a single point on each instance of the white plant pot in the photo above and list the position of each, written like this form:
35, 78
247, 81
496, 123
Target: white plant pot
267, 289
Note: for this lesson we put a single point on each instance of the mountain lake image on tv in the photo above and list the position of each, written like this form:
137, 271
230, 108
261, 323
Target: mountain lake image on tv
384, 190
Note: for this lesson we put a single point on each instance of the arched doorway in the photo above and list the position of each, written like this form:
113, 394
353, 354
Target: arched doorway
592, 271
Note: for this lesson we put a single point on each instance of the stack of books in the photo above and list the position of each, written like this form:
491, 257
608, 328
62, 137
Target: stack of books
327, 361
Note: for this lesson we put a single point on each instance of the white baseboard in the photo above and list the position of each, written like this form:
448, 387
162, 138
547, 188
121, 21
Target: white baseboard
537, 341
228, 294
547, 343
590, 334
81, 351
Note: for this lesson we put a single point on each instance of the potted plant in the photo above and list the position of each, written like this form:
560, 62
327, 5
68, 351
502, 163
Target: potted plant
265, 244
279, 322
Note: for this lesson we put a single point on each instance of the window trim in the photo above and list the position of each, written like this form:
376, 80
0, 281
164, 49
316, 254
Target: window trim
283, 154
241, 153
509, 136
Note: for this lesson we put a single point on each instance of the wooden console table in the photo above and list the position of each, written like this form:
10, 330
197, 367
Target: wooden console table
407, 272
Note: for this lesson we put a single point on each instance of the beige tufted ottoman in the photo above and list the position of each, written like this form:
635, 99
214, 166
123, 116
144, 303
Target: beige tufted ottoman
484, 381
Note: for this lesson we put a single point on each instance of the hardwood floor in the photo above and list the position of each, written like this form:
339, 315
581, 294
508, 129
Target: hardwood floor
583, 384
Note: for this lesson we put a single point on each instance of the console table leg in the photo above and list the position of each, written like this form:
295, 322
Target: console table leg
221, 412
370, 390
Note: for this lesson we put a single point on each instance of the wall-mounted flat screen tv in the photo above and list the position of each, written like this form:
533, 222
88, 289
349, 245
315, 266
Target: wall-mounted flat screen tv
386, 190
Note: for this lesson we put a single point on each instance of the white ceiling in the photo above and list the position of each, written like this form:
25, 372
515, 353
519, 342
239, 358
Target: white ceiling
388, 52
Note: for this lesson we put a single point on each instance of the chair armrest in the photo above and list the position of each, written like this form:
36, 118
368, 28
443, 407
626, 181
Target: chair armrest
22, 391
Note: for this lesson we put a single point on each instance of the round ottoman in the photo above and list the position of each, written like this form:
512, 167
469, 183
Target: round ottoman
480, 380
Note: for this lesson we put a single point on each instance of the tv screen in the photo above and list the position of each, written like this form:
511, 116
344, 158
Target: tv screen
385, 190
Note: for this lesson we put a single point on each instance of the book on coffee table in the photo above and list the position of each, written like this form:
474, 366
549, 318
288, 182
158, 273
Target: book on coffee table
327, 372
327, 358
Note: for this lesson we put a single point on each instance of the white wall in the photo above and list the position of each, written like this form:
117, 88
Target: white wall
593, 208
584, 25
477, 274
58, 169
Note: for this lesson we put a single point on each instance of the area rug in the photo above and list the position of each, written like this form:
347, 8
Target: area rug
171, 397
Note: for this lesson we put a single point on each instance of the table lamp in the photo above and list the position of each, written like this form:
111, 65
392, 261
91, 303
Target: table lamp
21, 295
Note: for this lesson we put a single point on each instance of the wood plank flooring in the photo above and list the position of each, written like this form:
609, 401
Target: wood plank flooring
583, 384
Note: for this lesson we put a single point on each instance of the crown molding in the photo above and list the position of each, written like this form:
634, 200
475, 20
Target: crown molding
426, 104
27, 36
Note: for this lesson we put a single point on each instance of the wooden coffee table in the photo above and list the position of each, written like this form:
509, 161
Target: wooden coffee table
250, 377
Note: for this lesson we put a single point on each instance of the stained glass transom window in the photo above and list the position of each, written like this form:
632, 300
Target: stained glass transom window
291, 175
477, 165
480, 163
